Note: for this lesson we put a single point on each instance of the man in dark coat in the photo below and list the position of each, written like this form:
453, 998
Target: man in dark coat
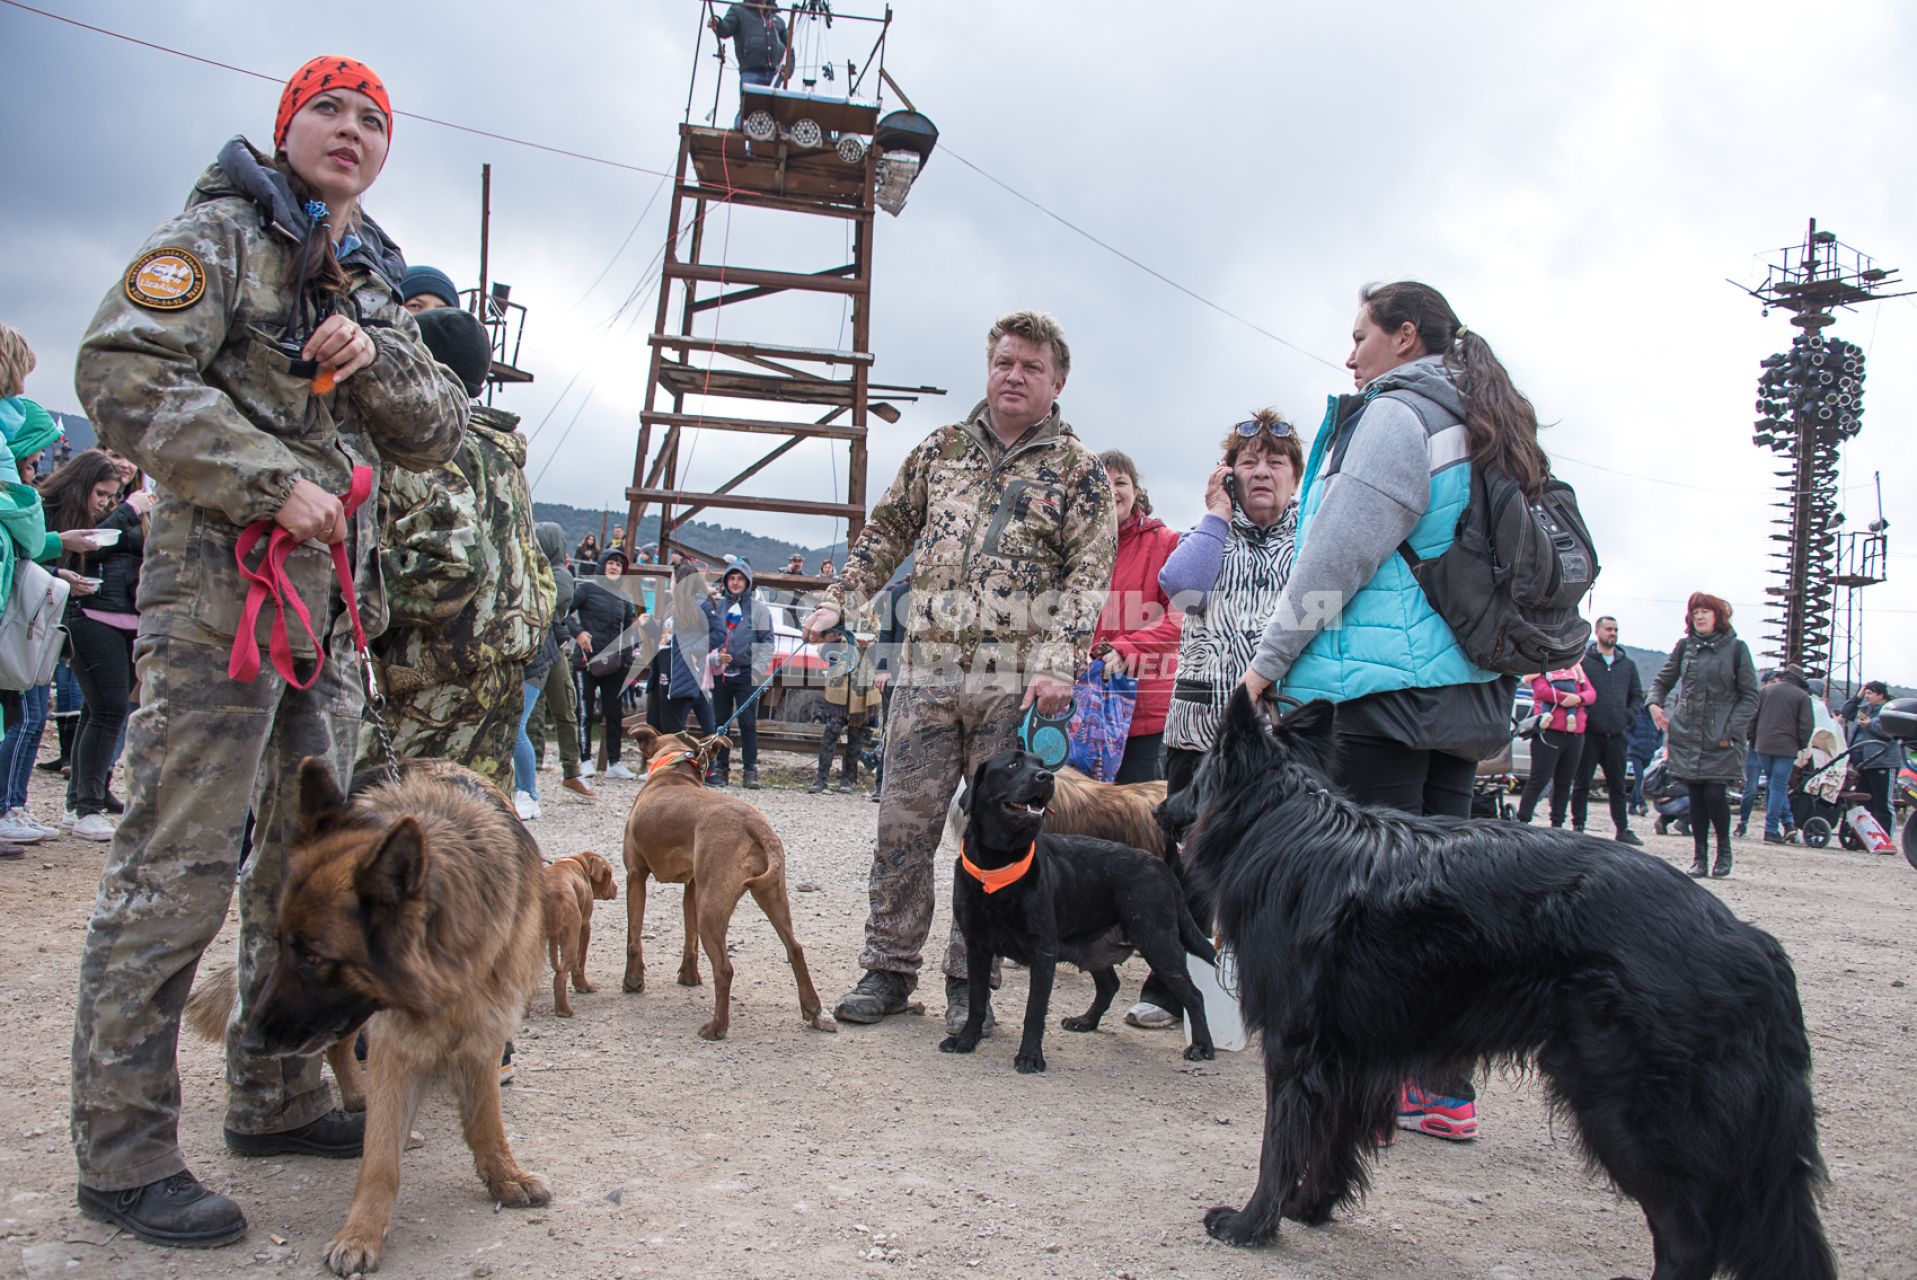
1782, 729
1620, 692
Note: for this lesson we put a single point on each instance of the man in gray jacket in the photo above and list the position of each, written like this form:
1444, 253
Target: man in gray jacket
1781, 730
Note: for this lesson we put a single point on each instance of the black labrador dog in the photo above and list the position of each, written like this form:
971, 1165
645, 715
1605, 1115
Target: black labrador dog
1040, 899
1375, 948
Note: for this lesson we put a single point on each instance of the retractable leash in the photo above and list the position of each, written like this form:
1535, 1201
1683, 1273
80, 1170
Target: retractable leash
269, 581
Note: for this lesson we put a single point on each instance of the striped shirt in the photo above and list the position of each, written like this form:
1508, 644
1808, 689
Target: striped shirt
1222, 630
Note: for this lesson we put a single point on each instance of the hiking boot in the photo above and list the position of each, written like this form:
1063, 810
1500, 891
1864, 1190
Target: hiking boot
1699, 866
175, 1211
1628, 836
1723, 865
750, 781
1453, 1119
958, 1003
819, 783
880, 994
335, 1135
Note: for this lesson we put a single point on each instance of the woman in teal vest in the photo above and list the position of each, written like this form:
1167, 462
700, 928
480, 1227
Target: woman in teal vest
1390, 469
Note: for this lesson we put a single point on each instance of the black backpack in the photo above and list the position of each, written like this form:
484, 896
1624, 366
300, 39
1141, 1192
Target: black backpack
1510, 583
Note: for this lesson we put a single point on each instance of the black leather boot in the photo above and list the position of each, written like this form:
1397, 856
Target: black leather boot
175, 1211
1723, 867
1700, 866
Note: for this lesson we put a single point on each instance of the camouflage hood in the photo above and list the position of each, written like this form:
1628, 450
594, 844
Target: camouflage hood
242, 171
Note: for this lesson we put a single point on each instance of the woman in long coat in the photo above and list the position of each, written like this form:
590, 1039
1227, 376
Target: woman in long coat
1704, 699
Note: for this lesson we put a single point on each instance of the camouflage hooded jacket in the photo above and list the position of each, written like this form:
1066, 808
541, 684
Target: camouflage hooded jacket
180, 372
466, 583
1011, 550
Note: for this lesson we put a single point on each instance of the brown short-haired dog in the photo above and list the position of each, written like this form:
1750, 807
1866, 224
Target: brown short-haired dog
571, 885
720, 848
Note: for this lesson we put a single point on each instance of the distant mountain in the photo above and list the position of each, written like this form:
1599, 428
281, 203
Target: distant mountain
763, 554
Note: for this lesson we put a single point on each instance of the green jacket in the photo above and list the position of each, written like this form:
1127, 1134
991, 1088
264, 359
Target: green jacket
466, 583
180, 371
1011, 549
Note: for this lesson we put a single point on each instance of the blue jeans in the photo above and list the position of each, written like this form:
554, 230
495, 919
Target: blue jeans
1753, 770
525, 766
1777, 801
20, 747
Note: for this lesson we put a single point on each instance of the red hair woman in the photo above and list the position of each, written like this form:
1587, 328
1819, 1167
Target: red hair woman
1705, 698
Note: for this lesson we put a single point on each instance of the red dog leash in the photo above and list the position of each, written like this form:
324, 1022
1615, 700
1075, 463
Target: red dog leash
270, 581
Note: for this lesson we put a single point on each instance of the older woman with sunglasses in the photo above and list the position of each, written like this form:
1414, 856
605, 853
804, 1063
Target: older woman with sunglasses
1226, 576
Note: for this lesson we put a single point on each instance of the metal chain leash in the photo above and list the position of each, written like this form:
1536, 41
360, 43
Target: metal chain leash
375, 710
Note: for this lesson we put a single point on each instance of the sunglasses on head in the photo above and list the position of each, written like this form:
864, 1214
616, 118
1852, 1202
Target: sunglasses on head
1251, 427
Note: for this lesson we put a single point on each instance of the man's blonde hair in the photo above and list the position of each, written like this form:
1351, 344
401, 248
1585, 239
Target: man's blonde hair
16, 360
1033, 326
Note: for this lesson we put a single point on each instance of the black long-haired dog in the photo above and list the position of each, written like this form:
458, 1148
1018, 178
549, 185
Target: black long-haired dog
1375, 948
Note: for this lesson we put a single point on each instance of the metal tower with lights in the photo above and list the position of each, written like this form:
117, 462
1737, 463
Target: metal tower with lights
1811, 400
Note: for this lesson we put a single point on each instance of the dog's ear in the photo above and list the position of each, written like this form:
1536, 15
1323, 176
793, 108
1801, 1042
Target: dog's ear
319, 797
645, 735
1244, 717
396, 870
965, 794
1316, 721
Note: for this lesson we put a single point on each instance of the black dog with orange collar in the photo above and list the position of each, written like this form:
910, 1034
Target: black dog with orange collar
1042, 898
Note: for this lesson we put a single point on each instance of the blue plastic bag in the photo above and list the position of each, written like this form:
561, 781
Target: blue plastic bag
1102, 709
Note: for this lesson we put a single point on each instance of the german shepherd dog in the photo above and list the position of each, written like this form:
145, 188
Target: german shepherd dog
211, 1005
1375, 948
416, 903
1044, 898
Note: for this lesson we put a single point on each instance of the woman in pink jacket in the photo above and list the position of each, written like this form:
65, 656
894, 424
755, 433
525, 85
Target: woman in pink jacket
1137, 633
1563, 698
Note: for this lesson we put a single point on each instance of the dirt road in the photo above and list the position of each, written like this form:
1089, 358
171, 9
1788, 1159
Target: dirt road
784, 1152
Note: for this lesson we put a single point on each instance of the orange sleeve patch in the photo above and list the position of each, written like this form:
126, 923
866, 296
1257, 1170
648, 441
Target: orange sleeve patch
166, 280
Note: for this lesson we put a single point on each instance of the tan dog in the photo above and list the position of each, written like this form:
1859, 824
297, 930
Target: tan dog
571, 885
720, 848
415, 903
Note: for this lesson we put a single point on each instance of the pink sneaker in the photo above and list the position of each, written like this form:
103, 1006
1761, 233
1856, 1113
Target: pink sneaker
1453, 1119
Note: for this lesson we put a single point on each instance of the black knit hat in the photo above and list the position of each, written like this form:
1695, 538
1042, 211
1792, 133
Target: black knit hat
459, 341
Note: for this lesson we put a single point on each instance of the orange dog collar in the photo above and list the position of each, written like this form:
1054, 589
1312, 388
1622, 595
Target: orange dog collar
666, 762
996, 878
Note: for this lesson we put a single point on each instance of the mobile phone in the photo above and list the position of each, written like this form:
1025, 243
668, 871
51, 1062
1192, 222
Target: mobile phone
1231, 485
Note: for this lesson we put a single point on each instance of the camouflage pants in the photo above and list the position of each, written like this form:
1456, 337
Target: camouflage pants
561, 700
936, 736
473, 722
200, 751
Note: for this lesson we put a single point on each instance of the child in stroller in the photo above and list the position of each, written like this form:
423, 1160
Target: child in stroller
1669, 797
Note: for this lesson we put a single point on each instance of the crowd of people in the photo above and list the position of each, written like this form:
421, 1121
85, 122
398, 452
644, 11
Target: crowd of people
269, 379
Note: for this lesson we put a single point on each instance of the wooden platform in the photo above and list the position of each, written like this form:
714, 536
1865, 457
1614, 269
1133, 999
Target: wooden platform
726, 162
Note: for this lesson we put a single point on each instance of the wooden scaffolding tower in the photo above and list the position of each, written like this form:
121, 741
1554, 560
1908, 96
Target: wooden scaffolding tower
833, 386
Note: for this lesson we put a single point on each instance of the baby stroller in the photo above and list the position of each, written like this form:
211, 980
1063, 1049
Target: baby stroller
1821, 797
1669, 797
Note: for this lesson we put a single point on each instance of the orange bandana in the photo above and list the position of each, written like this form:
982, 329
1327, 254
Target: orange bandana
996, 878
666, 762
321, 74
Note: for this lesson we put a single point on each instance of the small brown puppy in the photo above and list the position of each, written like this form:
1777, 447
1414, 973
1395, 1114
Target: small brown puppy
720, 848
571, 885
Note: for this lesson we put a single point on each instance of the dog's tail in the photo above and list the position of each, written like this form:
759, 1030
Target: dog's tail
211, 1003
1192, 936
555, 926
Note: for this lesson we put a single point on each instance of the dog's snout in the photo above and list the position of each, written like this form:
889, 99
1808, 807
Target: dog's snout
253, 1041
1045, 776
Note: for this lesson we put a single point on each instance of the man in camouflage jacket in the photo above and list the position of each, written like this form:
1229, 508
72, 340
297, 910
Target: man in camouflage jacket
468, 590
1009, 522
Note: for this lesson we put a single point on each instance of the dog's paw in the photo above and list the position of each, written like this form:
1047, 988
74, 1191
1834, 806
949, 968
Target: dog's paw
1223, 1222
350, 1255
1029, 1064
1199, 1053
580, 984
562, 1011
822, 1021
957, 1044
689, 977
633, 983
713, 1030
1313, 1214
520, 1191
1079, 1024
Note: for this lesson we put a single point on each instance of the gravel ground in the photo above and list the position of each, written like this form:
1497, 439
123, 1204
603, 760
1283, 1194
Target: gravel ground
784, 1152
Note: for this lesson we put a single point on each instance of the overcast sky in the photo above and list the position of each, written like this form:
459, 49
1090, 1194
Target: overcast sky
1579, 180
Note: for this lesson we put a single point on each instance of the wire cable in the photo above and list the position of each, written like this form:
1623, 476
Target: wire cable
261, 75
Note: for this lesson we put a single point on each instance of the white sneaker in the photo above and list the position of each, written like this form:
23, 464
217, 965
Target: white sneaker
617, 770
527, 807
95, 826
25, 816
585, 768
1150, 1016
67, 819
17, 832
